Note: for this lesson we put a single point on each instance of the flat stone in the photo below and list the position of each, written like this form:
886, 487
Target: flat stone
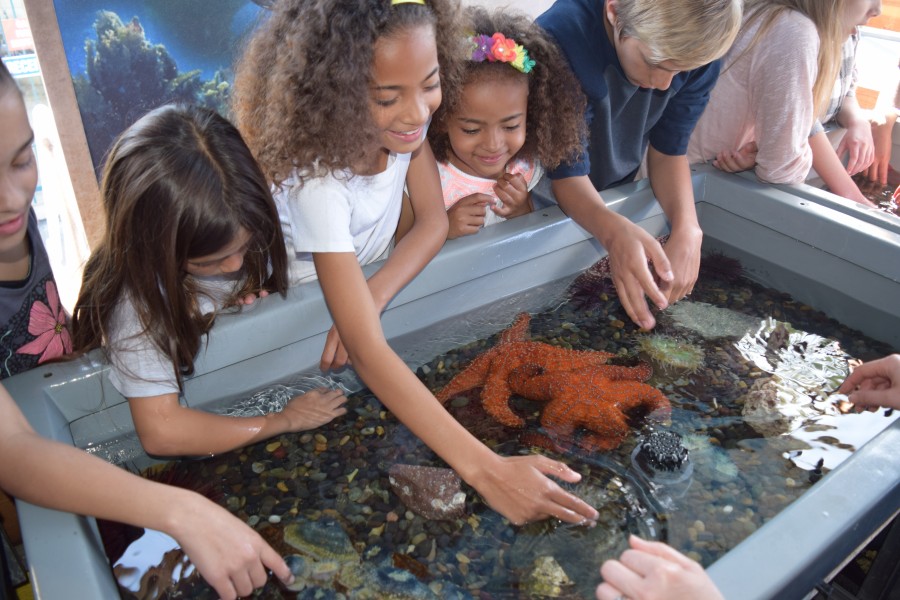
430, 492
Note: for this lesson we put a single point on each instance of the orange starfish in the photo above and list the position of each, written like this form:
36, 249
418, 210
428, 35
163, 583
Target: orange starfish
491, 369
590, 399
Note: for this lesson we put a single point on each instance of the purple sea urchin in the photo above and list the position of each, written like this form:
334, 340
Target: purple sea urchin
670, 353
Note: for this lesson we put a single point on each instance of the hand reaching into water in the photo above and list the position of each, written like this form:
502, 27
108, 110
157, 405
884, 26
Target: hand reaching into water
875, 383
655, 571
519, 488
314, 409
334, 356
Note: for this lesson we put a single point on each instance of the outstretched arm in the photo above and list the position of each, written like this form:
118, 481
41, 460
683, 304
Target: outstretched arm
231, 557
166, 428
628, 245
517, 487
829, 167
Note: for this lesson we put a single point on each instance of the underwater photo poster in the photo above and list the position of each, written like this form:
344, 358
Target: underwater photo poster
127, 57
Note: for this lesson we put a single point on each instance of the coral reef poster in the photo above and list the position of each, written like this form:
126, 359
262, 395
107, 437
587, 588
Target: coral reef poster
130, 56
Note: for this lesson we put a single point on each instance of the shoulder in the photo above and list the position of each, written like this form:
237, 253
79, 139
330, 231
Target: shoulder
792, 28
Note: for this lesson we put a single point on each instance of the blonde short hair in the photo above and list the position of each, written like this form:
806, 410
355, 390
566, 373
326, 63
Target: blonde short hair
690, 33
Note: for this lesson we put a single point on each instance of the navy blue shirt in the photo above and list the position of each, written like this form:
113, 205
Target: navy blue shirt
622, 118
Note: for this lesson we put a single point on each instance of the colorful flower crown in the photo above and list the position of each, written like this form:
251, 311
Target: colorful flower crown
499, 48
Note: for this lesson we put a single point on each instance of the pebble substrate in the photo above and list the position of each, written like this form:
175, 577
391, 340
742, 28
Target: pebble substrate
339, 472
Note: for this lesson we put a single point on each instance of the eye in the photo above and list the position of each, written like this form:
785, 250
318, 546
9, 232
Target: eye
511, 127
470, 131
24, 160
434, 86
390, 102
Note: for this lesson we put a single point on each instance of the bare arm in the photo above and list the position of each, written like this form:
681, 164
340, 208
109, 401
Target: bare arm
168, 429
231, 556
424, 238
517, 487
829, 167
670, 178
628, 245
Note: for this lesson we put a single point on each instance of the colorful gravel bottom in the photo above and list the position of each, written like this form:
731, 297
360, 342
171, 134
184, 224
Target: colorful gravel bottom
323, 497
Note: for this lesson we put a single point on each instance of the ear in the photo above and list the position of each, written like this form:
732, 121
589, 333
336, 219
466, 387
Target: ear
612, 12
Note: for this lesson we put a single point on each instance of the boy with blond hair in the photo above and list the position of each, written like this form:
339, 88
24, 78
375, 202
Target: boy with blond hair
647, 67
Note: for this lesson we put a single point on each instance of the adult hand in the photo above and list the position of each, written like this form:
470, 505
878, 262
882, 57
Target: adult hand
512, 190
519, 489
467, 215
629, 248
683, 250
859, 146
655, 571
743, 159
314, 409
875, 383
229, 555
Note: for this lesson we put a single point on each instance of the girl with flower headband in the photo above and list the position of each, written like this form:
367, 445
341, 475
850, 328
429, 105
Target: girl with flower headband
520, 107
334, 97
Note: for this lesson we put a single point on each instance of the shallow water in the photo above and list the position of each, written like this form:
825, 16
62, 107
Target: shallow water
759, 348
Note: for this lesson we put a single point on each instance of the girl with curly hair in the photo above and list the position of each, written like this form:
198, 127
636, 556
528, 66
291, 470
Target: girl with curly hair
191, 230
335, 98
520, 109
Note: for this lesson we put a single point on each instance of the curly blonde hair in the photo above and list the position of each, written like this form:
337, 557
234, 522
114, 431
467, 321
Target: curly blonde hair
302, 85
555, 126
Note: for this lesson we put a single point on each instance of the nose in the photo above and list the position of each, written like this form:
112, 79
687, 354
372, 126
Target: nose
876, 10
417, 111
233, 263
493, 139
661, 79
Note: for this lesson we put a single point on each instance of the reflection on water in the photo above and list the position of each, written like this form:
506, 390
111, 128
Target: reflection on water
748, 372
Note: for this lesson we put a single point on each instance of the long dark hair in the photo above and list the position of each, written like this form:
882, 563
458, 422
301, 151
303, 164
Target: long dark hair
178, 184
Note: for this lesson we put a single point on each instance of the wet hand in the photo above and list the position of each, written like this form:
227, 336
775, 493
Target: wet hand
229, 555
512, 190
875, 383
314, 409
683, 250
519, 489
467, 215
655, 571
629, 248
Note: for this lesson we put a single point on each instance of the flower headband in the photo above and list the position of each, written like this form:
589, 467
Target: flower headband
499, 48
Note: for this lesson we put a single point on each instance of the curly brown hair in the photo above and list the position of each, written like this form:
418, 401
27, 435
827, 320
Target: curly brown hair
302, 86
555, 120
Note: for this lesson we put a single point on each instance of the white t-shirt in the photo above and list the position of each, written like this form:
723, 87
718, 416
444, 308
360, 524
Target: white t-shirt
138, 369
341, 213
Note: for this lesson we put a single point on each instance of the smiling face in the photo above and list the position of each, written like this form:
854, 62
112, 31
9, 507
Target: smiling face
488, 127
18, 173
229, 259
858, 12
406, 87
634, 56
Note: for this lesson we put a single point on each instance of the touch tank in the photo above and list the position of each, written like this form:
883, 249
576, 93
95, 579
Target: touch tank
841, 262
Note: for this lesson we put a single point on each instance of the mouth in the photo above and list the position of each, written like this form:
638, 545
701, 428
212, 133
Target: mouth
13, 225
410, 136
493, 159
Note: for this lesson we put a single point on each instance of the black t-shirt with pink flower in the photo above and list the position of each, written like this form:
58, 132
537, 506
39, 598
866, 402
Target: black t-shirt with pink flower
34, 322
